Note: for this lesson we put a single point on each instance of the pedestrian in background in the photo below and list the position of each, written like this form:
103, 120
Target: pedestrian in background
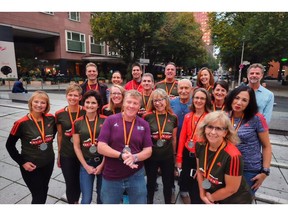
18, 87
186, 159
67, 159
85, 133
219, 162
253, 131
163, 125
36, 131
124, 141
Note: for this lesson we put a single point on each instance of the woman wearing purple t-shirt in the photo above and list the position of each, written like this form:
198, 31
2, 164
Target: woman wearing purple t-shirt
253, 132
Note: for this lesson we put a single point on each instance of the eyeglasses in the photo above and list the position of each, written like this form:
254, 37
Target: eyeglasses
116, 93
158, 100
217, 129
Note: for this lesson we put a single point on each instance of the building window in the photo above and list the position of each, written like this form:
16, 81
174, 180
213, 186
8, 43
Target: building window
96, 47
75, 16
75, 42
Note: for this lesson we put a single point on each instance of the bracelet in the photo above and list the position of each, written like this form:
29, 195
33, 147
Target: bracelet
135, 158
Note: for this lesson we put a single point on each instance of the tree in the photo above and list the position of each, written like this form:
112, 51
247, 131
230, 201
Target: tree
263, 34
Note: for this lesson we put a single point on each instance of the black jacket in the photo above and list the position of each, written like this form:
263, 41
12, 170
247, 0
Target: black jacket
102, 91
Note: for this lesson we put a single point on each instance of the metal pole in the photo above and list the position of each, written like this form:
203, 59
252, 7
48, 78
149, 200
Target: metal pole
240, 70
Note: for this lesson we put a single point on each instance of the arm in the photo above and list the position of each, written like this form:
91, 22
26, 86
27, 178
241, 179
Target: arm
201, 190
59, 142
181, 144
78, 151
267, 112
267, 155
232, 186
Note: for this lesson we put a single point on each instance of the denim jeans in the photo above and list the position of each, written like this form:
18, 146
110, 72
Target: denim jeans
87, 181
135, 185
248, 175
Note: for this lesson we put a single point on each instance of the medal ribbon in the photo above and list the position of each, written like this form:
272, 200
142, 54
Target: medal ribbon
170, 90
42, 129
239, 123
161, 130
127, 140
208, 88
195, 125
70, 114
133, 87
206, 174
92, 136
144, 100
96, 88
222, 108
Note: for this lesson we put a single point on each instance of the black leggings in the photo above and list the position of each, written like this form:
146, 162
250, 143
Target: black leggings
186, 182
37, 181
167, 173
71, 169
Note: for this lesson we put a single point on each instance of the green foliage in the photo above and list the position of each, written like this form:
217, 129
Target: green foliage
164, 36
264, 35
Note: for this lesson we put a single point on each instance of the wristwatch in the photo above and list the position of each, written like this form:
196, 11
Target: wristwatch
120, 156
266, 171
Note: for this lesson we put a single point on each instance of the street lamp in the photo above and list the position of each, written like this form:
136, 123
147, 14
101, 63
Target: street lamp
241, 64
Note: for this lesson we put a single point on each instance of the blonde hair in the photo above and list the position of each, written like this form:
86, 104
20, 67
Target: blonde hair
42, 95
133, 93
159, 93
223, 118
73, 87
91, 64
111, 105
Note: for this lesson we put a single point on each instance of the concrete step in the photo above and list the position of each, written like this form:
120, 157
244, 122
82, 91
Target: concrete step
270, 199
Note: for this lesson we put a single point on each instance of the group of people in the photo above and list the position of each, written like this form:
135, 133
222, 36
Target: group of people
215, 142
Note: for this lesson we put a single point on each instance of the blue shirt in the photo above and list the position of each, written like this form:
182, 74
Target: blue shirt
250, 145
180, 110
265, 102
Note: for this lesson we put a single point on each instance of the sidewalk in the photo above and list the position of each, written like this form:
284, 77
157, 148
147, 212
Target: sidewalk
14, 191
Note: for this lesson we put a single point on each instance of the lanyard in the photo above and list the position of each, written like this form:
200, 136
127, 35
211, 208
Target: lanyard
195, 125
144, 100
42, 129
137, 85
127, 139
70, 114
208, 88
161, 130
222, 108
239, 123
92, 136
96, 87
170, 90
206, 168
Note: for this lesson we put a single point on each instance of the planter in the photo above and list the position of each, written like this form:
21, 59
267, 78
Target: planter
36, 83
48, 83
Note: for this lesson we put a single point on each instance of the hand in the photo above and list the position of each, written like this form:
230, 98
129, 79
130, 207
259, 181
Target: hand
209, 197
258, 181
90, 169
29, 166
129, 159
58, 162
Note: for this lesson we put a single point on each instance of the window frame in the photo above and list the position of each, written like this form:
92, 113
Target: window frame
67, 39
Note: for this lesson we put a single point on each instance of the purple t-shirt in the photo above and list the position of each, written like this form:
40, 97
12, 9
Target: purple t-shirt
112, 133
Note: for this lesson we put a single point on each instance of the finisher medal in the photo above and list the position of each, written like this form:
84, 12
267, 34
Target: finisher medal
191, 144
93, 149
126, 148
43, 146
71, 140
160, 143
206, 184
